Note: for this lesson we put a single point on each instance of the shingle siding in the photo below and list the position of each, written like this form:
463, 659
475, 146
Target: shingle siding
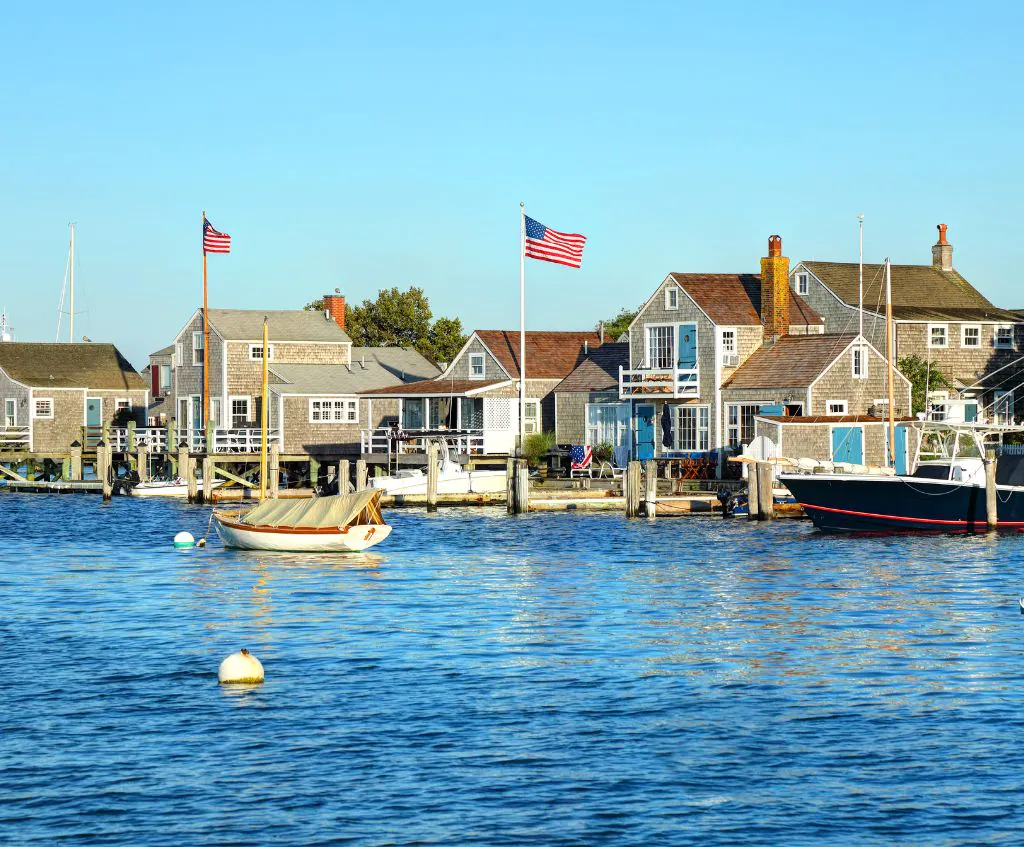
838, 383
459, 369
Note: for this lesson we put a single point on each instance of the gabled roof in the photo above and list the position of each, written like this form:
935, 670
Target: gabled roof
282, 325
549, 355
168, 350
599, 371
372, 367
735, 299
793, 361
96, 366
432, 387
919, 292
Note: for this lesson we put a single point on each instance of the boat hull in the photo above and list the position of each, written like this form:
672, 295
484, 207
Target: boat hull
353, 539
170, 490
849, 503
469, 482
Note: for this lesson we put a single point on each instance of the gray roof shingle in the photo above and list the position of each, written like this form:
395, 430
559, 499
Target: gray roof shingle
372, 367
599, 371
282, 325
793, 361
98, 366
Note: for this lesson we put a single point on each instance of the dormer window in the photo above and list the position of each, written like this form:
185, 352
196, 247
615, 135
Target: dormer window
938, 335
672, 298
801, 284
476, 365
859, 362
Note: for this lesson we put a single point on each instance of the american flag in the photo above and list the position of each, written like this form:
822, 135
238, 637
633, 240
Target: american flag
213, 241
549, 245
581, 457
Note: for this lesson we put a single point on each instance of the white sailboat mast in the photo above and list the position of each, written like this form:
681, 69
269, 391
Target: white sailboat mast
71, 330
888, 356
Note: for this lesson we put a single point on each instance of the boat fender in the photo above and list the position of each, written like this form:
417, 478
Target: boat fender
369, 533
241, 667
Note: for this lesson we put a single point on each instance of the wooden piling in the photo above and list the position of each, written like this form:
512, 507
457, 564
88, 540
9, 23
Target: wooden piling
433, 472
631, 489
651, 488
181, 466
361, 482
343, 476
753, 504
274, 470
105, 469
189, 465
75, 461
143, 462
522, 489
207, 479
510, 486
765, 495
991, 500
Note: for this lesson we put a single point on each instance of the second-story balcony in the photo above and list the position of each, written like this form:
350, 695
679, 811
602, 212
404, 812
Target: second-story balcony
653, 383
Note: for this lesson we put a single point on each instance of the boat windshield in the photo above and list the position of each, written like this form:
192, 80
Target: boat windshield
938, 444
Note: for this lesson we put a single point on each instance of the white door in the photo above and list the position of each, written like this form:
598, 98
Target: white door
501, 424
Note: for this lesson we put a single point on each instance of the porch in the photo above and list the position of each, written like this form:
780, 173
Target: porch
675, 383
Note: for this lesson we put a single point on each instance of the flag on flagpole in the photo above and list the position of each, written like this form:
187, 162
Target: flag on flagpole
549, 245
213, 241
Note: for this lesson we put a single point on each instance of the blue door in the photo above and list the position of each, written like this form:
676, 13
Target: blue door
644, 432
772, 409
687, 334
848, 444
970, 412
901, 448
93, 421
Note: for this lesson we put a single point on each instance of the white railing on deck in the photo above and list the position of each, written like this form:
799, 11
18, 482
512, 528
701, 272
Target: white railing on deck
154, 439
381, 441
240, 440
659, 382
13, 437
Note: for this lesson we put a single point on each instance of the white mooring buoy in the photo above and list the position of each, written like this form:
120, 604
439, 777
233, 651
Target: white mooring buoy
184, 540
240, 667
1022, 605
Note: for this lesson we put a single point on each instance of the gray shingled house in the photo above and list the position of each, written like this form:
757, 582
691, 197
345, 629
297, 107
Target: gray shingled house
937, 314
56, 394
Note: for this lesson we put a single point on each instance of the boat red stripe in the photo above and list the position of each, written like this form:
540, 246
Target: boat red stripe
901, 518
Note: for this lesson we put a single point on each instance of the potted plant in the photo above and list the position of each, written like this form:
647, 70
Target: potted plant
537, 446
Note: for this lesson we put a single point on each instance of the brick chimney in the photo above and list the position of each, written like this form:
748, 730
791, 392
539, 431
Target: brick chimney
775, 291
334, 305
942, 251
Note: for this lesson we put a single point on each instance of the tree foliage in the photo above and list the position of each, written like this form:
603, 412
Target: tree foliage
921, 374
614, 327
401, 319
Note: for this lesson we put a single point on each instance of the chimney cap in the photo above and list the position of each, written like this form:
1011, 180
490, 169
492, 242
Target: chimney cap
774, 245
942, 233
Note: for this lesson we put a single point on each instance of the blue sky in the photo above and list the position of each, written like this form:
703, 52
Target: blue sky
360, 146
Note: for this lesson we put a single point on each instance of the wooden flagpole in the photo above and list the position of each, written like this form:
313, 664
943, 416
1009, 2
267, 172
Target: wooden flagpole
206, 343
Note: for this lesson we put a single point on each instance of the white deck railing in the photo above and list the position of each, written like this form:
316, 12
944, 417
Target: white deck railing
13, 437
382, 441
240, 440
154, 439
658, 382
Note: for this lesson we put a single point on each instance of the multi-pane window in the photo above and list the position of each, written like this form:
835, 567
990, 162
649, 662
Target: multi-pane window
123, 404
672, 297
970, 335
471, 411
412, 414
256, 352
692, 430
608, 423
337, 411
531, 422
660, 341
44, 407
197, 348
239, 412
860, 362
728, 342
10, 412
1004, 337
837, 407
740, 422
937, 335
476, 365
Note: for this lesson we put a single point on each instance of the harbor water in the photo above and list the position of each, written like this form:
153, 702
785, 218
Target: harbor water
551, 679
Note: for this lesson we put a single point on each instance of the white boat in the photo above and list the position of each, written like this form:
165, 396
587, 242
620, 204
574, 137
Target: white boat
452, 478
169, 487
346, 523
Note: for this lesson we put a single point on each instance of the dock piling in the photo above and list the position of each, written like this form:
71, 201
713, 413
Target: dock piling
763, 482
631, 489
360, 474
105, 469
991, 500
76, 461
433, 471
522, 486
510, 485
343, 476
274, 470
651, 488
190, 476
207, 479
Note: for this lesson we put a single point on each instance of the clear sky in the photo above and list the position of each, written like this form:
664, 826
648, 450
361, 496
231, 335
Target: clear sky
363, 145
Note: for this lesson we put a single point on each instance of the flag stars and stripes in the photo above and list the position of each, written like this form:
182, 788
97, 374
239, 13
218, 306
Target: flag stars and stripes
213, 241
549, 245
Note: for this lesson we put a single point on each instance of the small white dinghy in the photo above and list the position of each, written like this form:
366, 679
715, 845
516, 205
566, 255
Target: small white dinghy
452, 478
344, 523
169, 487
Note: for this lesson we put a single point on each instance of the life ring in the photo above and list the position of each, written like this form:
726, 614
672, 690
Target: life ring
369, 533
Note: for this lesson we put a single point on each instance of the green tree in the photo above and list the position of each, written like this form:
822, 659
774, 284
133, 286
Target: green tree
401, 319
614, 327
920, 374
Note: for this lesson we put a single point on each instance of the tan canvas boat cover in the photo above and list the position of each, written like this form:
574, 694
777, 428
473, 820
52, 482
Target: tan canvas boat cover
316, 513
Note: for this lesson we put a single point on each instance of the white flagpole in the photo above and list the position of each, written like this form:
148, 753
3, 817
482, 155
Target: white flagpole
522, 327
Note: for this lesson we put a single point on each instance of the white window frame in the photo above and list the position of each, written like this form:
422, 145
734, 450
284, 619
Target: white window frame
732, 348
231, 409
339, 411
702, 428
996, 337
734, 422
621, 412
165, 385
41, 416
127, 404
531, 422
803, 284
13, 403
862, 350
945, 336
671, 298
197, 348
483, 365
179, 354
963, 336
217, 413
259, 346
835, 414
672, 348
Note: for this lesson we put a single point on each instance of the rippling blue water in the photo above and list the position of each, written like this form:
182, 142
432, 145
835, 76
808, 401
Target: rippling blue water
549, 679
